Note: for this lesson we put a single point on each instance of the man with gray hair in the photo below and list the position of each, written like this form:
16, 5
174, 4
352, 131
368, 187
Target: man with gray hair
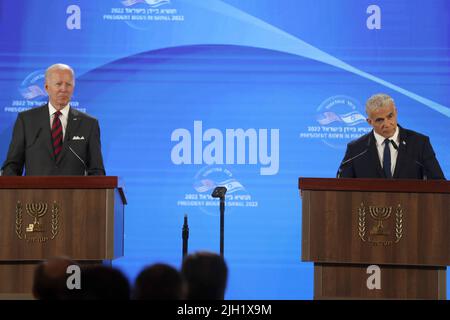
389, 151
55, 139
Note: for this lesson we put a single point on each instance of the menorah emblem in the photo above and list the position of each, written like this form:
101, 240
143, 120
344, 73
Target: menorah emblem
36, 211
379, 214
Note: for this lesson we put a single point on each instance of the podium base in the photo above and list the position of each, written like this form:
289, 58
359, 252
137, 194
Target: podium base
351, 281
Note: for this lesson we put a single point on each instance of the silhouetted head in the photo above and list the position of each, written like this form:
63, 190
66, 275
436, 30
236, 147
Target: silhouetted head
101, 282
159, 282
50, 277
206, 275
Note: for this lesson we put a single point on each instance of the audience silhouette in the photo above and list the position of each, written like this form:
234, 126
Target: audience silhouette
203, 276
49, 282
206, 275
159, 282
100, 282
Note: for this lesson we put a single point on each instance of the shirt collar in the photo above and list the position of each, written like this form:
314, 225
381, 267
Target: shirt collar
64, 111
380, 139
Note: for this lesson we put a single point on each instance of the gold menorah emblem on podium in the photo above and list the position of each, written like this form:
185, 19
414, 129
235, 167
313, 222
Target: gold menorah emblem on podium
388, 234
379, 214
36, 211
38, 231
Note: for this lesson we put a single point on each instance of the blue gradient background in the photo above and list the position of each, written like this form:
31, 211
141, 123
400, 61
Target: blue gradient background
253, 64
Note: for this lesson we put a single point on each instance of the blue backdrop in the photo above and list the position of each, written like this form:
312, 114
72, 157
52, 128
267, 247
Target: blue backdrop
251, 94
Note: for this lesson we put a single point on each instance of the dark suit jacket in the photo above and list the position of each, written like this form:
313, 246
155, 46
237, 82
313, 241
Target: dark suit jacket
31, 146
415, 160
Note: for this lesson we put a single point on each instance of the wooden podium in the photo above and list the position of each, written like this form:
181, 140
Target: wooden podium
400, 226
43, 217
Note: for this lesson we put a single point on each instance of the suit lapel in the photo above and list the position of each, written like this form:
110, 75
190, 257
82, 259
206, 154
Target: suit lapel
373, 155
73, 122
401, 156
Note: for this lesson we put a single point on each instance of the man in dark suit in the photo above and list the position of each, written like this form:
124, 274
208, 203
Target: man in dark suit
55, 139
389, 151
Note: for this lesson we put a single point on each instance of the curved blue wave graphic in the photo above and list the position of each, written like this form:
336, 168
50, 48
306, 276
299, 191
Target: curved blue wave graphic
285, 42
151, 3
224, 24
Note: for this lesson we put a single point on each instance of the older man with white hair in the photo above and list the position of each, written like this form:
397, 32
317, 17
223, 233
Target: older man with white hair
389, 151
55, 139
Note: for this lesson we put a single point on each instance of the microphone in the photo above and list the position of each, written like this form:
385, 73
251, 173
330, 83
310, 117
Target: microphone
411, 158
185, 236
79, 158
343, 163
394, 144
219, 192
338, 174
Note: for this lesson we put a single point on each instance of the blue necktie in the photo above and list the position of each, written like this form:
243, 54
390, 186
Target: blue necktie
387, 159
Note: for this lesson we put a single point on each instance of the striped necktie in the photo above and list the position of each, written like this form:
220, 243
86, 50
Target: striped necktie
57, 134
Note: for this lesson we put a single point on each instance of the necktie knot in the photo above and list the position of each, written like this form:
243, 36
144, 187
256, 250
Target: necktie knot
57, 114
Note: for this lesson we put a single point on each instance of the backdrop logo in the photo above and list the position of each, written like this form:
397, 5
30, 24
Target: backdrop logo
33, 86
143, 14
338, 120
31, 93
204, 183
151, 3
234, 146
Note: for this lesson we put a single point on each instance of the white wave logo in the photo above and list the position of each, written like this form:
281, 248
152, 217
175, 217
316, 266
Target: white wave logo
32, 92
206, 185
327, 118
209, 178
352, 118
31, 87
232, 185
339, 120
151, 3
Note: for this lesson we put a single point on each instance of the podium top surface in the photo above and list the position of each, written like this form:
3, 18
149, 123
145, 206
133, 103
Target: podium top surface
59, 182
374, 185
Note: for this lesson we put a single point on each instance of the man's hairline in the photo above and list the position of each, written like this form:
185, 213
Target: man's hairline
382, 106
59, 66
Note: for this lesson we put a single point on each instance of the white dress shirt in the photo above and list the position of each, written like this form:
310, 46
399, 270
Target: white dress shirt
380, 148
64, 117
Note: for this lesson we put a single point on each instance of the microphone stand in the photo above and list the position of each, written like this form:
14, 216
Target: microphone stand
343, 163
424, 173
219, 192
79, 158
185, 236
222, 224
